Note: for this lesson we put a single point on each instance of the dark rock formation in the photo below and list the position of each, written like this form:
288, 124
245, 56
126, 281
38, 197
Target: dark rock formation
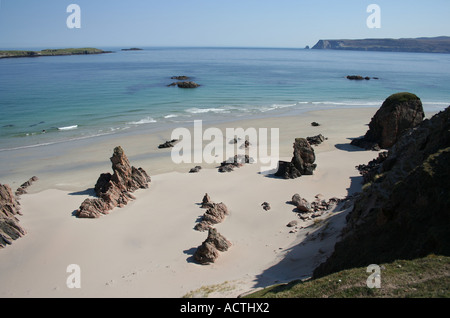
10, 229
208, 252
236, 162
168, 144
185, 84
23, 188
180, 78
369, 171
301, 164
195, 169
206, 202
398, 113
315, 124
215, 214
316, 140
114, 190
266, 206
404, 213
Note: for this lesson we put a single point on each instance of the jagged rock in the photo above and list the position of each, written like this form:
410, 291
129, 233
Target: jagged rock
236, 162
302, 162
370, 170
114, 190
316, 140
23, 188
10, 229
206, 202
292, 223
195, 169
215, 214
168, 144
398, 113
208, 252
302, 204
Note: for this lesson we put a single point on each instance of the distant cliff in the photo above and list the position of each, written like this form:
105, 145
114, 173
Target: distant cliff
420, 45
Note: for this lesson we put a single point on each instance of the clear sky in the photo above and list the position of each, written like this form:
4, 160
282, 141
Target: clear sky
240, 23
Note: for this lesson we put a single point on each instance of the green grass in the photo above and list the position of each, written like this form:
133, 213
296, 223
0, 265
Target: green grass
427, 277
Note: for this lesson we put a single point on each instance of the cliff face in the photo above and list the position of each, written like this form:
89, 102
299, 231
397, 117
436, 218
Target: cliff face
404, 212
422, 45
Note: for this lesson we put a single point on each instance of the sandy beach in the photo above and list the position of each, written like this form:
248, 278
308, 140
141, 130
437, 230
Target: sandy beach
145, 248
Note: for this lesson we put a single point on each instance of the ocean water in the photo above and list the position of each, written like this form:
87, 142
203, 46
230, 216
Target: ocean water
51, 100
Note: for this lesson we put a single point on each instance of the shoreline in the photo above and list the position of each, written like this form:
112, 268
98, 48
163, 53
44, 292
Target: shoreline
153, 236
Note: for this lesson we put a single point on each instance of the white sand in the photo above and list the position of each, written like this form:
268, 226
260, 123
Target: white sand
145, 249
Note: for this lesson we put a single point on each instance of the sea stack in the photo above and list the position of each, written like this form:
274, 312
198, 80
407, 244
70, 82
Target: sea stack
114, 190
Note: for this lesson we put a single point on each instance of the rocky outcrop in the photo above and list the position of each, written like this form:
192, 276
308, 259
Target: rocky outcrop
185, 84
216, 213
195, 169
114, 190
309, 210
208, 252
316, 140
302, 162
398, 113
23, 188
404, 212
236, 162
10, 229
168, 144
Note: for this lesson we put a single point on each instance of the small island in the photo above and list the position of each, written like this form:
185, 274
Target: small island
51, 52
133, 49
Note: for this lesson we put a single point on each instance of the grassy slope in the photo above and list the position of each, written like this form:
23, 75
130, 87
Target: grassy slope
427, 277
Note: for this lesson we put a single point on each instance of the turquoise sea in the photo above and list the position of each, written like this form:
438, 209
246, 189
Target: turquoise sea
49, 100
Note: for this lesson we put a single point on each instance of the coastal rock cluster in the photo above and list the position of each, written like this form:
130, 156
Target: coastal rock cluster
359, 77
398, 113
10, 229
404, 210
215, 213
209, 250
302, 162
236, 162
114, 190
309, 210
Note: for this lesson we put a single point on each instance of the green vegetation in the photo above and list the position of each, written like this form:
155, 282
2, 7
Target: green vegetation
51, 52
427, 277
401, 98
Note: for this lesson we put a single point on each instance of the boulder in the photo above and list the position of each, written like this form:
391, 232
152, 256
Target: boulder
195, 169
302, 162
23, 188
185, 84
168, 144
316, 140
266, 206
114, 190
208, 252
398, 113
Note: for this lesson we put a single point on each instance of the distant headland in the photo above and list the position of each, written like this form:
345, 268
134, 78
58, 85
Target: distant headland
418, 45
51, 52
